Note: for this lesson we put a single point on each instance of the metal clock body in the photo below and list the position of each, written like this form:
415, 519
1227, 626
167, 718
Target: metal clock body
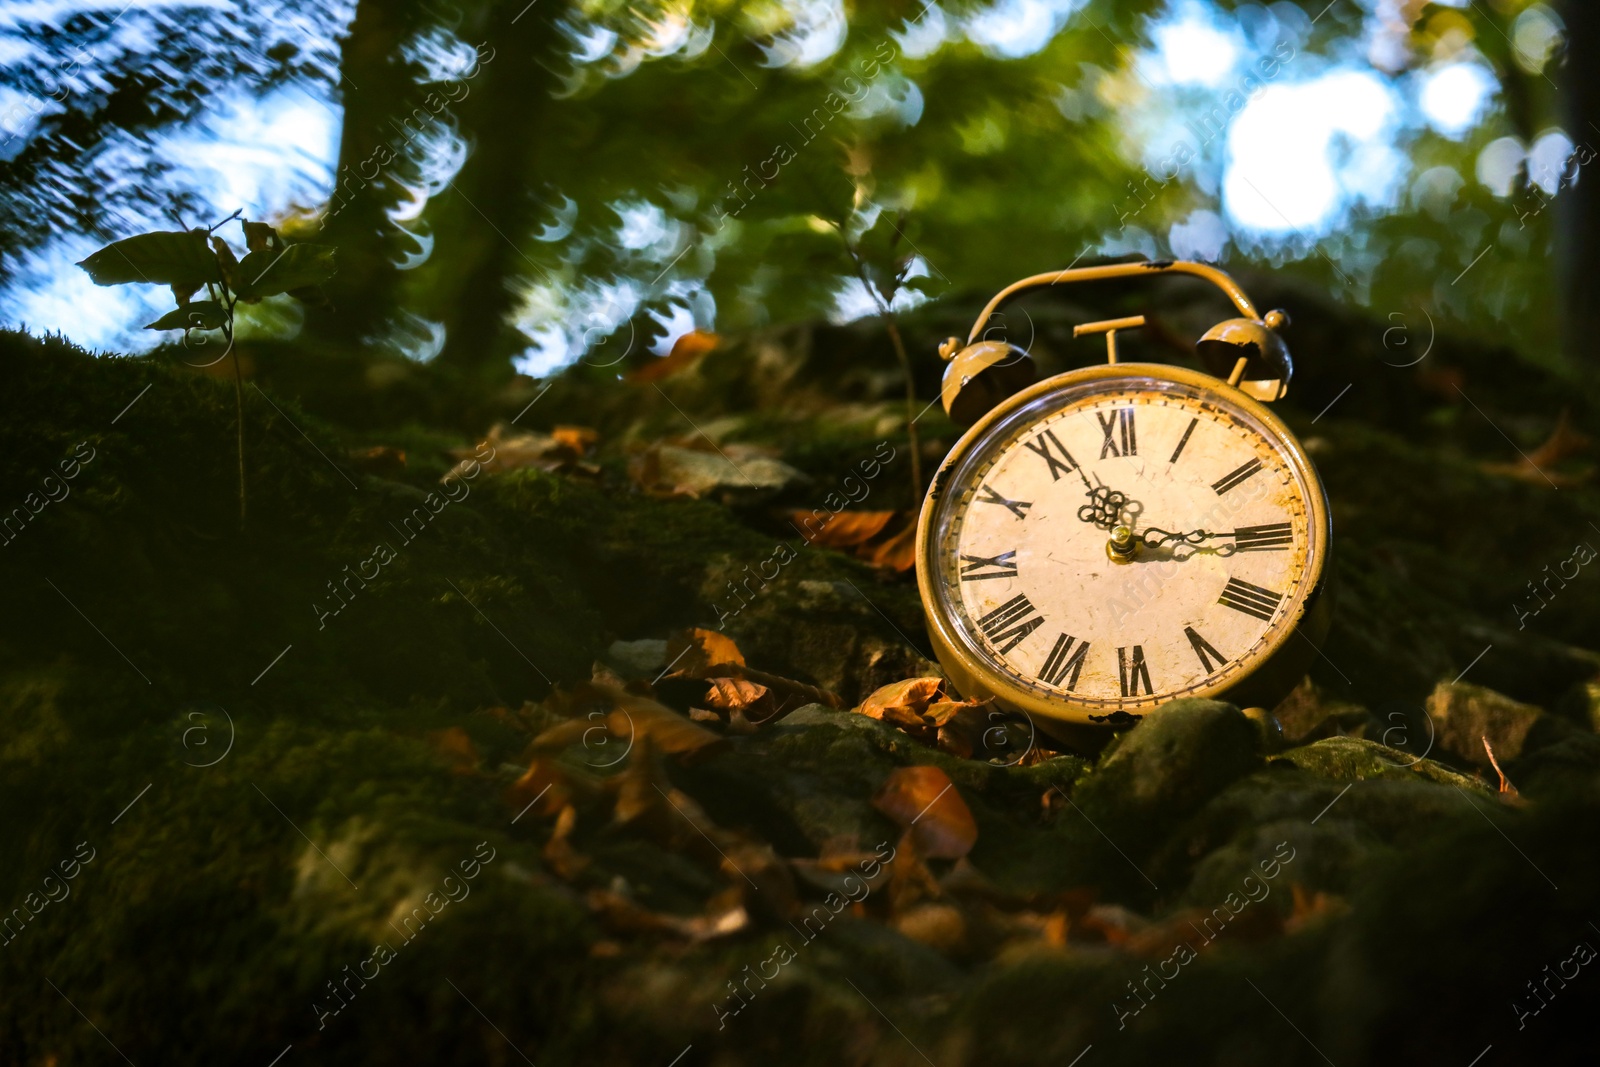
1123, 535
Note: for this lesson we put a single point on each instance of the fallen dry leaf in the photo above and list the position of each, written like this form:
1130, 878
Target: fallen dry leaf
673, 470
624, 915
898, 553
1537, 466
577, 439
559, 852
842, 530
544, 785
686, 351
456, 747
1507, 792
545, 451
742, 697
382, 460
707, 655
692, 653
925, 802
912, 694
1312, 908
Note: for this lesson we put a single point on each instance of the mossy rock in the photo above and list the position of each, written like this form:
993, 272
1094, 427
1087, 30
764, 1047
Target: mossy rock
1354, 759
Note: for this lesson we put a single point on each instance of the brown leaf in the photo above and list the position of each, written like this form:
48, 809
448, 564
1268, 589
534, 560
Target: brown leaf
912, 694
1536, 466
692, 653
559, 852
669, 470
686, 351
940, 926
1312, 908
576, 439
961, 726
562, 735
1508, 792
454, 744
924, 802
635, 717
724, 915
842, 530
739, 695
383, 460
508, 452
707, 654
898, 553
544, 785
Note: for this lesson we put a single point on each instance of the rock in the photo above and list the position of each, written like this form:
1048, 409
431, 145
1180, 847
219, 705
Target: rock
1176, 759
1568, 769
1269, 731
1309, 714
637, 659
1353, 759
1464, 715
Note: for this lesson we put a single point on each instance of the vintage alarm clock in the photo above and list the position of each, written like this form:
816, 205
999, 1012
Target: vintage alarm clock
1122, 535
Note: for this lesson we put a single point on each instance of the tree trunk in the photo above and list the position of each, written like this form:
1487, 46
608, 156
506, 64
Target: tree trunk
1579, 206
377, 87
484, 223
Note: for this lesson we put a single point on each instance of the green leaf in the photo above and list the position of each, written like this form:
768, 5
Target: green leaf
166, 257
199, 315
294, 267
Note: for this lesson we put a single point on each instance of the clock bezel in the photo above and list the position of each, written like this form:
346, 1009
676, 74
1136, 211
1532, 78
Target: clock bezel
1278, 663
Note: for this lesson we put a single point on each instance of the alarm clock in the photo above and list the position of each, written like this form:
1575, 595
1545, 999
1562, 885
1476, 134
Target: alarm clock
1122, 535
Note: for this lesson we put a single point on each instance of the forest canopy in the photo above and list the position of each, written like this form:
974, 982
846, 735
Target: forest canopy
519, 185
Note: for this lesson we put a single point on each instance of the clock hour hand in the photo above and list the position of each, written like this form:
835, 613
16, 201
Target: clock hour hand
1156, 537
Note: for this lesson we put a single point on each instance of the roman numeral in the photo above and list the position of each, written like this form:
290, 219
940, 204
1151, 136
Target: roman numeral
1176, 452
1203, 649
1237, 477
1019, 508
1062, 660
1250, 599
1133, 671
1041, 445
1268, 538
977, 568
1121, 419
1008, 624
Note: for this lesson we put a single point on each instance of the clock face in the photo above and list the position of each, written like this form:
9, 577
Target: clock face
1022, 524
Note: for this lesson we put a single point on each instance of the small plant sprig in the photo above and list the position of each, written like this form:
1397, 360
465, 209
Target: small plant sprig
189, 260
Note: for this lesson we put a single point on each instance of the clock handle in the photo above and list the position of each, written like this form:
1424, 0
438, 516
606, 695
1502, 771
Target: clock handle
1117, 270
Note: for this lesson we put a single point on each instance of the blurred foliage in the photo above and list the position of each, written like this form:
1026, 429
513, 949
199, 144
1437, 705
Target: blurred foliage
570, 176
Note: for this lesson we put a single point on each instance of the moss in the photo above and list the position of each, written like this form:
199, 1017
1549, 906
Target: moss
1351, 759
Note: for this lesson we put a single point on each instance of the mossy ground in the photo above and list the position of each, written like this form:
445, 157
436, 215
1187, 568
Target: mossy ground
208, 924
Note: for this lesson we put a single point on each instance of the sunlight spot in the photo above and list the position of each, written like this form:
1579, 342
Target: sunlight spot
1499, 164
1536, 34
852, 301
1192, 50
1550, 158
1202, 236
925, 32
817, 30
677, 321
1455, 97
1016, 28
1300, 155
